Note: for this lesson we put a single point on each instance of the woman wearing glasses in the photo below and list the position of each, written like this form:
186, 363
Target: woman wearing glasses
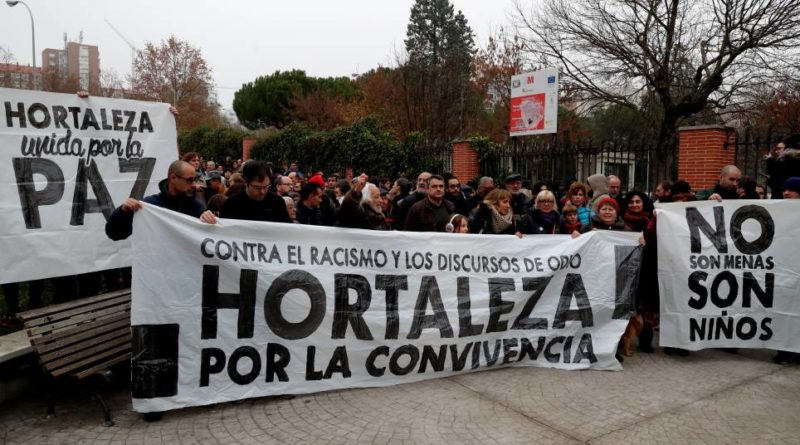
542, 218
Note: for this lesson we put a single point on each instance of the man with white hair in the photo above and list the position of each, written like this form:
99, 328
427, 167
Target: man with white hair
616, 192
402, 208
362, 208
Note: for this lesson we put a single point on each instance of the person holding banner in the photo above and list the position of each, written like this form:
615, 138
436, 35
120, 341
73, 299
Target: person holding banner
725, 188
648, 295
607, 217
542, 218
177, 194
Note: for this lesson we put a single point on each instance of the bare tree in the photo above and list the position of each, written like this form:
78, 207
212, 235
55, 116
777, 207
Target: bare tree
680, 57
175, 72
111, 84
6, 56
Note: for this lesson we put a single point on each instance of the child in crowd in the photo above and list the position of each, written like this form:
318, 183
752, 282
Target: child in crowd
458, 224
569, 219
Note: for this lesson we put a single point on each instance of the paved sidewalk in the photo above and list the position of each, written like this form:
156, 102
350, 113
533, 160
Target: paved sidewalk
711, 397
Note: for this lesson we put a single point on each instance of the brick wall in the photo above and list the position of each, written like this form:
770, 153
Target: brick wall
703, 151
247, 145
465, 161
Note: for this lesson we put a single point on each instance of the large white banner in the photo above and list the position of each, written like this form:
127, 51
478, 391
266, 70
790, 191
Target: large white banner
728, 274
65, 163
244, 309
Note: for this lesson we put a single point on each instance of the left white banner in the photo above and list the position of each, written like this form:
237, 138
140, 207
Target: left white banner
65, 163
247, 309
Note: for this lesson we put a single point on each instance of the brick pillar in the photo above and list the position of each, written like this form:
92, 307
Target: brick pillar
703, 151
465, 161
247, 145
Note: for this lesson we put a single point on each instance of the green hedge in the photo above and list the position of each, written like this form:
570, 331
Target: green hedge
218, 144
365, 146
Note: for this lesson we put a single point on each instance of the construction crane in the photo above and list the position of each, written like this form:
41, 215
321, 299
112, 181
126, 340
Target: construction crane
133, 48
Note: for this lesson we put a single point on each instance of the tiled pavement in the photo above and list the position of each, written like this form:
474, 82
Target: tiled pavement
710, 397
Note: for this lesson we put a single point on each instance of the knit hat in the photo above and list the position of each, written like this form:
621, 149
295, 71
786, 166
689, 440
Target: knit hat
317, 179
792, 184
608, 201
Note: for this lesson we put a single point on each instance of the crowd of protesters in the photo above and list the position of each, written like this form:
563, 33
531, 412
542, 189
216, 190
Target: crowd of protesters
257, 191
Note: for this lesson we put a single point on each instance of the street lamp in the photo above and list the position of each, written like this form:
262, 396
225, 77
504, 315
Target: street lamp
33, 35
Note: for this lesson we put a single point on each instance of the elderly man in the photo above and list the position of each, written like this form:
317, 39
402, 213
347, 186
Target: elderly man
361, 207
615, 191
519, 202
485, 185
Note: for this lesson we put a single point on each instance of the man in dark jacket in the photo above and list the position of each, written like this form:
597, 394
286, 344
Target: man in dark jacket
432, 213
362, 207
176, 193
308, 209
400, 212
519, 202
454, 195
725, 188
256, 202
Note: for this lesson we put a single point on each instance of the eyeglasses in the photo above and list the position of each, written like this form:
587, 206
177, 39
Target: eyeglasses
546, 201
189, 179
259, 188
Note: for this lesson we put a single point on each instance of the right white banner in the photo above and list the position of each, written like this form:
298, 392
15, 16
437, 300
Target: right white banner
729, 274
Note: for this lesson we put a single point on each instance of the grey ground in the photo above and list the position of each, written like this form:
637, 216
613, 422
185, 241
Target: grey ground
710, 397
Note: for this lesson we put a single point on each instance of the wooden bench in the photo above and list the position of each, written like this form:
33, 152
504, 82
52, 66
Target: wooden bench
80, 340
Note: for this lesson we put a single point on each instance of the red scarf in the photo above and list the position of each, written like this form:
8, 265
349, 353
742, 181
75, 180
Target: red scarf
637, 220
567, 228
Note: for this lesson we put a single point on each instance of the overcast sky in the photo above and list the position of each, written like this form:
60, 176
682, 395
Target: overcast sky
239, 39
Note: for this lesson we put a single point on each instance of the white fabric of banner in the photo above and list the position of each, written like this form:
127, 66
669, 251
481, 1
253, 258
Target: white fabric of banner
728, 274
65, 163
247, 309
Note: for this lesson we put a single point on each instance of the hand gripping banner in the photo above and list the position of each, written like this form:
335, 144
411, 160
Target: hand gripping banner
243, 309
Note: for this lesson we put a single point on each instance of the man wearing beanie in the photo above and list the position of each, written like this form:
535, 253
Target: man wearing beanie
791, 188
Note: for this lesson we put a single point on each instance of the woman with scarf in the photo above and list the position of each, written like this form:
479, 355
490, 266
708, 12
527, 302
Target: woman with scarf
542, 218
494, 215
639, 211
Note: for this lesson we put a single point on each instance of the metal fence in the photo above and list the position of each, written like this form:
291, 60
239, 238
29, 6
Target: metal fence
639, 166
751, 148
